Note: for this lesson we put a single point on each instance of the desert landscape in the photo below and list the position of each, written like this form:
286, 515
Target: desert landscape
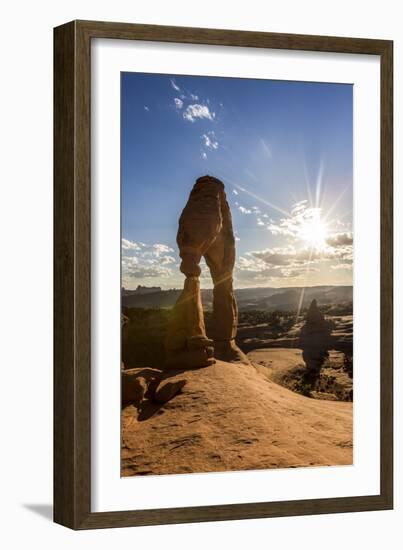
208, 388
234, 416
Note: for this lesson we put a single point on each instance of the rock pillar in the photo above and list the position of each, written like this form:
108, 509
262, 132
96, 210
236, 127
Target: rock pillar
205, 230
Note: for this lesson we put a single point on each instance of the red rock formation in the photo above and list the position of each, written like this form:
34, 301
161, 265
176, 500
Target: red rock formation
205, 230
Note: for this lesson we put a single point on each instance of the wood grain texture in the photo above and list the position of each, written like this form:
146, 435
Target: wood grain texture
72, 240
64, 382
72, 269
220, 37
387, 273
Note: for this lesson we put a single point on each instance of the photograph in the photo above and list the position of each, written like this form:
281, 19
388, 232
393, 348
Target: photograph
236, 274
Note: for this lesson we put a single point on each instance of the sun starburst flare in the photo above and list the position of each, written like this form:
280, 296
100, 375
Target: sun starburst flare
314, 230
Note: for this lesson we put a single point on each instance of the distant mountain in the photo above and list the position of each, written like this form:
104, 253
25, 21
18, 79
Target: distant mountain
286, 300
266, 299
141, 290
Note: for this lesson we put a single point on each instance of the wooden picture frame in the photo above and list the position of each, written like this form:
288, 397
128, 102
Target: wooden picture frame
72, 271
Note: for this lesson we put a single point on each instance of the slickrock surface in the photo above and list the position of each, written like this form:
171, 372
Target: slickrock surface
232, 417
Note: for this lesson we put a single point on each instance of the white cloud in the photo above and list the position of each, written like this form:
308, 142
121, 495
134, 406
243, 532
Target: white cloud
165, 260
260, 222
272, 264
174, 85
235, 192
141, 261
160, 249
300, 206
183, 95
292, 257
178, 103
292, 226
244, 210
146, 271
340, 239
129, 261
210, 140
252, 270
251, 264
195, 111
276, 257
146, 108
130, 245
204, 155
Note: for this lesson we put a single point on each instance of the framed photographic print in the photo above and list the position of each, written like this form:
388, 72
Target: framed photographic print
223, 275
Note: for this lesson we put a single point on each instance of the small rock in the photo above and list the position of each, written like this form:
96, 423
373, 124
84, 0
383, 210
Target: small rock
139, 383
167, 390
133, 388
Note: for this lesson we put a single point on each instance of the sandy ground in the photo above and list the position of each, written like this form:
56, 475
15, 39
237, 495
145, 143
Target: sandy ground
284, 366
277, 362
232, 417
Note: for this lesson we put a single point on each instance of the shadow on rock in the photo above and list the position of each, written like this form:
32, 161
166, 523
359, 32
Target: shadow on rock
148, 408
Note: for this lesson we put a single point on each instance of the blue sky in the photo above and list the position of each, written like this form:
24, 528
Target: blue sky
283, 150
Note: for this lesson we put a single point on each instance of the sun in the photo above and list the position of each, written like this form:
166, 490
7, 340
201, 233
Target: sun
314, 231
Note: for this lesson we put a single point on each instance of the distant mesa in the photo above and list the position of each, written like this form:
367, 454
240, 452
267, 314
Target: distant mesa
285, 301
141, 290
248, 299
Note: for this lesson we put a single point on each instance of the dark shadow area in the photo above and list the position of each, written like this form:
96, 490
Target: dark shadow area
44, 510
148, 408
314, 360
